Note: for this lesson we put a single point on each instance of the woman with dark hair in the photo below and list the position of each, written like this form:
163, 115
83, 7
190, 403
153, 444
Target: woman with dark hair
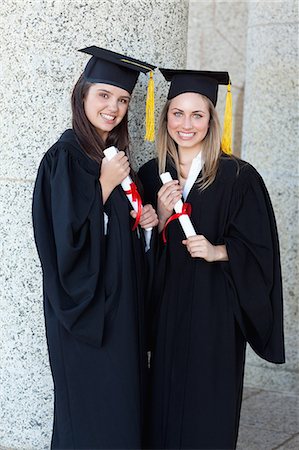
215, 290
94, 266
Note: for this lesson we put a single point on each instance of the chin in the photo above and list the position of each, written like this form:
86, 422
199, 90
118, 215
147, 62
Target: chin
187, 143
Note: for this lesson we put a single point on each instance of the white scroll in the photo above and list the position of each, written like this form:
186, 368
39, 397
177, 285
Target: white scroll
110, 152
184, 219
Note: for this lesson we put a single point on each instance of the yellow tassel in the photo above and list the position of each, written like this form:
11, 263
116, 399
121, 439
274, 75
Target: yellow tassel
150, 111
226, 141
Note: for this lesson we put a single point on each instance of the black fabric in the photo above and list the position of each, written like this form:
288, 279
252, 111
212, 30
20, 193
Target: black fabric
94, 290
204, 313
113, 68
200, 81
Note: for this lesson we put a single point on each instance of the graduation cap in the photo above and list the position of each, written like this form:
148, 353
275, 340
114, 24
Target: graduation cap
122, 71
206, 83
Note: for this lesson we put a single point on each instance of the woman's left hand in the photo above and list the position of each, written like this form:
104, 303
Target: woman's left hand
199, 247
148, 218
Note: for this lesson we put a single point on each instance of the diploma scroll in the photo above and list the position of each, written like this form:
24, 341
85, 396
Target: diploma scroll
178, 207
126, 184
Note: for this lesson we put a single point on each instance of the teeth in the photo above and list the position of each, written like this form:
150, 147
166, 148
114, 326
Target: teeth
186, 134
108, 117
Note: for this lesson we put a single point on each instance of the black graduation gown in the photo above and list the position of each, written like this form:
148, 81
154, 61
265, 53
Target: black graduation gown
93, 301
205, 312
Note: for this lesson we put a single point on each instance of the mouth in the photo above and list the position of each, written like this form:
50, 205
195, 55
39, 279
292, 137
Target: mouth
183, 135
108, 117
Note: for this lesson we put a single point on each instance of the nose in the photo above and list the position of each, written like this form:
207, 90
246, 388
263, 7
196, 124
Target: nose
187, 123
113, 104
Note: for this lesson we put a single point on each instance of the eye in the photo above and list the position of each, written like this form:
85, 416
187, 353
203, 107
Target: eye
125, 101
177, 114
197, 116
103, 95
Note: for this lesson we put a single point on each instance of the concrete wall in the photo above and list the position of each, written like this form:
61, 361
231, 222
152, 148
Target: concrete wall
270, 143
38, 43
257, 43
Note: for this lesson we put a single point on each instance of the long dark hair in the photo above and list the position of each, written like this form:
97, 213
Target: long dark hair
89, 139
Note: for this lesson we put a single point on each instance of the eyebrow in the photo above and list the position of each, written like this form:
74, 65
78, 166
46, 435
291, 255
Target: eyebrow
197, 111
109, 92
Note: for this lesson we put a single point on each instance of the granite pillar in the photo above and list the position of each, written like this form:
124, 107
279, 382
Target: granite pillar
270, 143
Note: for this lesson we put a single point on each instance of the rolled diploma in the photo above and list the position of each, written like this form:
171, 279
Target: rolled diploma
126, 185
184, 220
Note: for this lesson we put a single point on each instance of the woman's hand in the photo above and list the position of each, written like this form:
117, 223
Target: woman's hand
168, 196
199, 247
113, 172
148, 218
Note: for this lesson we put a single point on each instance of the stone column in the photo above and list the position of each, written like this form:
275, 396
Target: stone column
39, 41
270, 143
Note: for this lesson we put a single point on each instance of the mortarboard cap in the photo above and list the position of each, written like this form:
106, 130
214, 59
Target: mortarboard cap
206, 83
122, 71
199, 81
113, 68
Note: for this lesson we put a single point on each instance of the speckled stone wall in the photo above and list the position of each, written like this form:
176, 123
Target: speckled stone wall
270, 143
257, 43
40, 63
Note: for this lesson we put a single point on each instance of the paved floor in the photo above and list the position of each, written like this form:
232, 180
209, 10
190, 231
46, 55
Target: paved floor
269, 421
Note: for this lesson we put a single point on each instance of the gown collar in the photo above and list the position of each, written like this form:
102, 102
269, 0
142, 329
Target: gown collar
69, 138
194, 171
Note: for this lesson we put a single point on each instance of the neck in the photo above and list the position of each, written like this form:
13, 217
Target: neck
186, 156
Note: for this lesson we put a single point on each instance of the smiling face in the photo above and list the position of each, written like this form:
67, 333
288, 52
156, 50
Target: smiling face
105, 106
188, 121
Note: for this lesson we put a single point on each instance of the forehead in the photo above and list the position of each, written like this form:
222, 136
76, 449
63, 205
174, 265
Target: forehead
189, 101
115, 90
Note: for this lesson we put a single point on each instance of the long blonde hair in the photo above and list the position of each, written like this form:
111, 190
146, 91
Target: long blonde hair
211, 146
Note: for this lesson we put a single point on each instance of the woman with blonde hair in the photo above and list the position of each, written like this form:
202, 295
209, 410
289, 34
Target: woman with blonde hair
215, 290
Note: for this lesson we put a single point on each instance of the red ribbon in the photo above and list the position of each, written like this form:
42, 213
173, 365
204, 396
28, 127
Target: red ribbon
136, 198
186, 210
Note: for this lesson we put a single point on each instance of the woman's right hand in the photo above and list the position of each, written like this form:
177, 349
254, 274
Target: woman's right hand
113, 172
168, 196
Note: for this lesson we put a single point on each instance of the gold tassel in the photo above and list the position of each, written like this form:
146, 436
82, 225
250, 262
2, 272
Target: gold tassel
150, 111
226, 141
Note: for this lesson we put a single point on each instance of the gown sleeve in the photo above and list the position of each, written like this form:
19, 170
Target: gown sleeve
69, 234
253, 269
151, 183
